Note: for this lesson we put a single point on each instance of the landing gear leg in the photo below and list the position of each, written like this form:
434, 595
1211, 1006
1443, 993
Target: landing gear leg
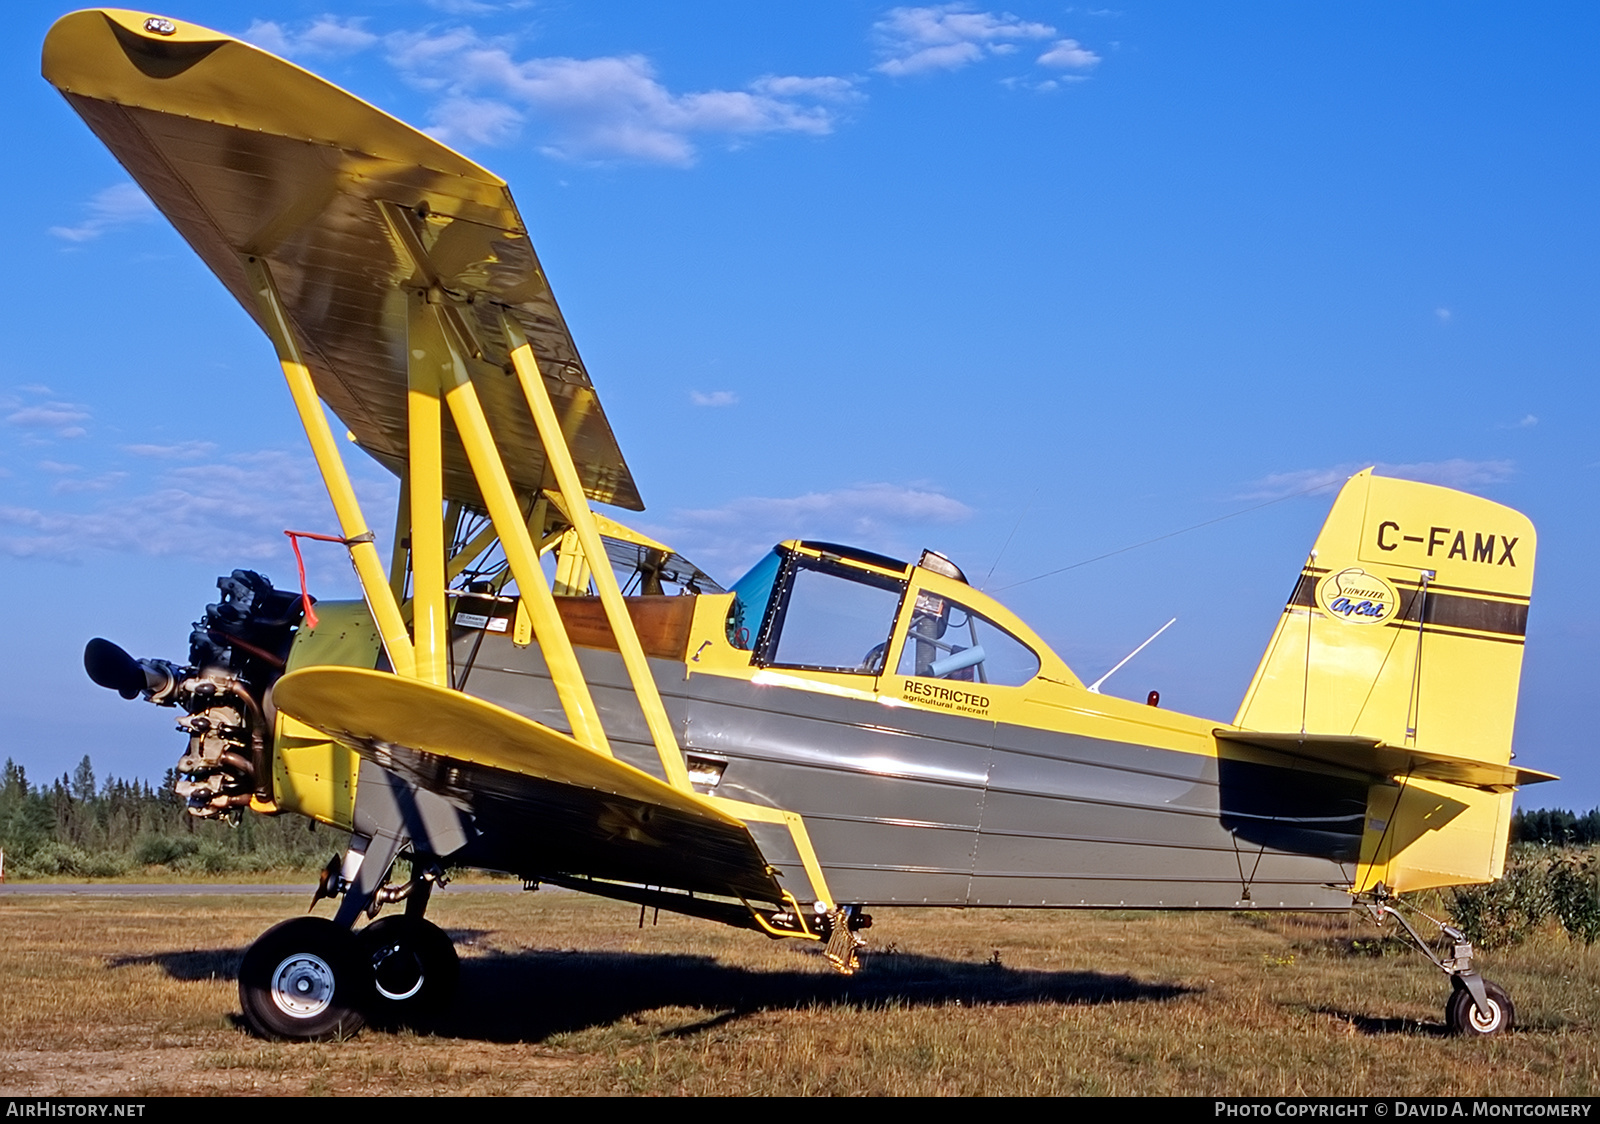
309, 978
314, 978
1477, 1007
366, 867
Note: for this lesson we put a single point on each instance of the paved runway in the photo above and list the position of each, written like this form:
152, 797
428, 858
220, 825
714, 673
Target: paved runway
214, 889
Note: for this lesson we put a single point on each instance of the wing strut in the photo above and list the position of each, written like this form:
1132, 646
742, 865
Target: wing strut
427, 360
352, 524
431, 330
605, 579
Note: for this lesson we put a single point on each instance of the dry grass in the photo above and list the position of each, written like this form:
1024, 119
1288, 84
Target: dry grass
564, 994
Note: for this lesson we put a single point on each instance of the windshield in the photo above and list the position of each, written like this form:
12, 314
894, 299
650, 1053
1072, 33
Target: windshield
751, 595
834, 618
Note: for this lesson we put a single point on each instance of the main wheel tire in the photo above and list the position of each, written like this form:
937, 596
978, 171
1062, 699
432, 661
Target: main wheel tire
304, 979
1465, 1019
414, 969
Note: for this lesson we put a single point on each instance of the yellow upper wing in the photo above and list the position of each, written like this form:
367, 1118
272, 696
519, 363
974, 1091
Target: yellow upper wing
247, 154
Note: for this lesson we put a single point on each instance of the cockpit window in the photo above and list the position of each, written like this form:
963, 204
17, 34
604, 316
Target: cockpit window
947, 640
834, 618
751, 595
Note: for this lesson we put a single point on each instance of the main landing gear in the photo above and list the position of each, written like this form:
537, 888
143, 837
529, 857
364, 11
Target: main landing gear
414, 970
1477, 1007
305, 979
311, 978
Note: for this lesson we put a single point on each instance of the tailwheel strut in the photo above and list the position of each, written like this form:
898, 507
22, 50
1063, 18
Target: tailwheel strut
1477, 1007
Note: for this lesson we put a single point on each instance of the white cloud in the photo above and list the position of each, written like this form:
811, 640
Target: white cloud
1069, 55
231, 511
826, 88
61, 418
475, 121
883, 517
121, 204
606, 108
183, 450
1443, 314
596, 109
325, 37
948, 37
1454, 473
101, 482
865, 505
471, 7
1044, 86
715, 398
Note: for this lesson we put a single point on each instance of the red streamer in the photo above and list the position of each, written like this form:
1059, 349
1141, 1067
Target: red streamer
300, 564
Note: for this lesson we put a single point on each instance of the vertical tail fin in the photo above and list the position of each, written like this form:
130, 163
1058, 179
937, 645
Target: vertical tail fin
1407, 626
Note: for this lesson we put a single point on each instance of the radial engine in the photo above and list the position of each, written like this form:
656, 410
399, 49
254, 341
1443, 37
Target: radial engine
236, 652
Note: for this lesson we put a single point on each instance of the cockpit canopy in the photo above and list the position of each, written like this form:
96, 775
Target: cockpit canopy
823, 607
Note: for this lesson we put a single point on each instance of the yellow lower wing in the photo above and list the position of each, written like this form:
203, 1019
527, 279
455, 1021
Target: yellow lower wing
370, 710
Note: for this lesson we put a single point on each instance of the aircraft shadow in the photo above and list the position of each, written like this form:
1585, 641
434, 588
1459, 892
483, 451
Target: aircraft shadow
529, 996
1367, 1024
188, 964
222, 963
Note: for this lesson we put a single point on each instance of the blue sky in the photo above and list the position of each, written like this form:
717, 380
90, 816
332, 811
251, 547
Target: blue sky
1023, 284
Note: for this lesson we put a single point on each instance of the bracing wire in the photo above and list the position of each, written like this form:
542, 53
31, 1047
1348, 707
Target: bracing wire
1014, 529
1169, 535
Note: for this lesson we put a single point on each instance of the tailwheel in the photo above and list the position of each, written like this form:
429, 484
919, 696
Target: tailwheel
414, 969
304, 979
1465, 1019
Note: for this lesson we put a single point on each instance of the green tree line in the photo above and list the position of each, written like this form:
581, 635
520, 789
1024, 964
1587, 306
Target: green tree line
1556, 827
72, 826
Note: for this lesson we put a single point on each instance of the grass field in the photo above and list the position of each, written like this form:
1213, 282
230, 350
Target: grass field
565, 994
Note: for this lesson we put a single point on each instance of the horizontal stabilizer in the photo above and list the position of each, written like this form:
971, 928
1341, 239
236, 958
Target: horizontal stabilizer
1379, 759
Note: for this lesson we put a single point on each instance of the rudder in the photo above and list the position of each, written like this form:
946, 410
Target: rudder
1407, 626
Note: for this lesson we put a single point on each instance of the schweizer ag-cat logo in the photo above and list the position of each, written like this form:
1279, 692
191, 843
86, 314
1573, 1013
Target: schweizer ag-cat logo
1357, 597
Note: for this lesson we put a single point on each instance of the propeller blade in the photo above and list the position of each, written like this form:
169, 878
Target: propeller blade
111, 667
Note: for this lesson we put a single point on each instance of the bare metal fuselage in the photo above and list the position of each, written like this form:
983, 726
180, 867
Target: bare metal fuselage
915, 808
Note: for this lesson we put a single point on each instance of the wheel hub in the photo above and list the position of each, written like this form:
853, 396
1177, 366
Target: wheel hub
302, 986
1482, 1024
397, 973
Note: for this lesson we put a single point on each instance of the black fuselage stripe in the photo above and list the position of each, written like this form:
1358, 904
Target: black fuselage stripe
1464, 589
1409, 625
1447, 610
1434, 587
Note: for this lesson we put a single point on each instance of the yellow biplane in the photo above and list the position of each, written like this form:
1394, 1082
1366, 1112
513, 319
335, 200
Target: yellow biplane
837, 730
